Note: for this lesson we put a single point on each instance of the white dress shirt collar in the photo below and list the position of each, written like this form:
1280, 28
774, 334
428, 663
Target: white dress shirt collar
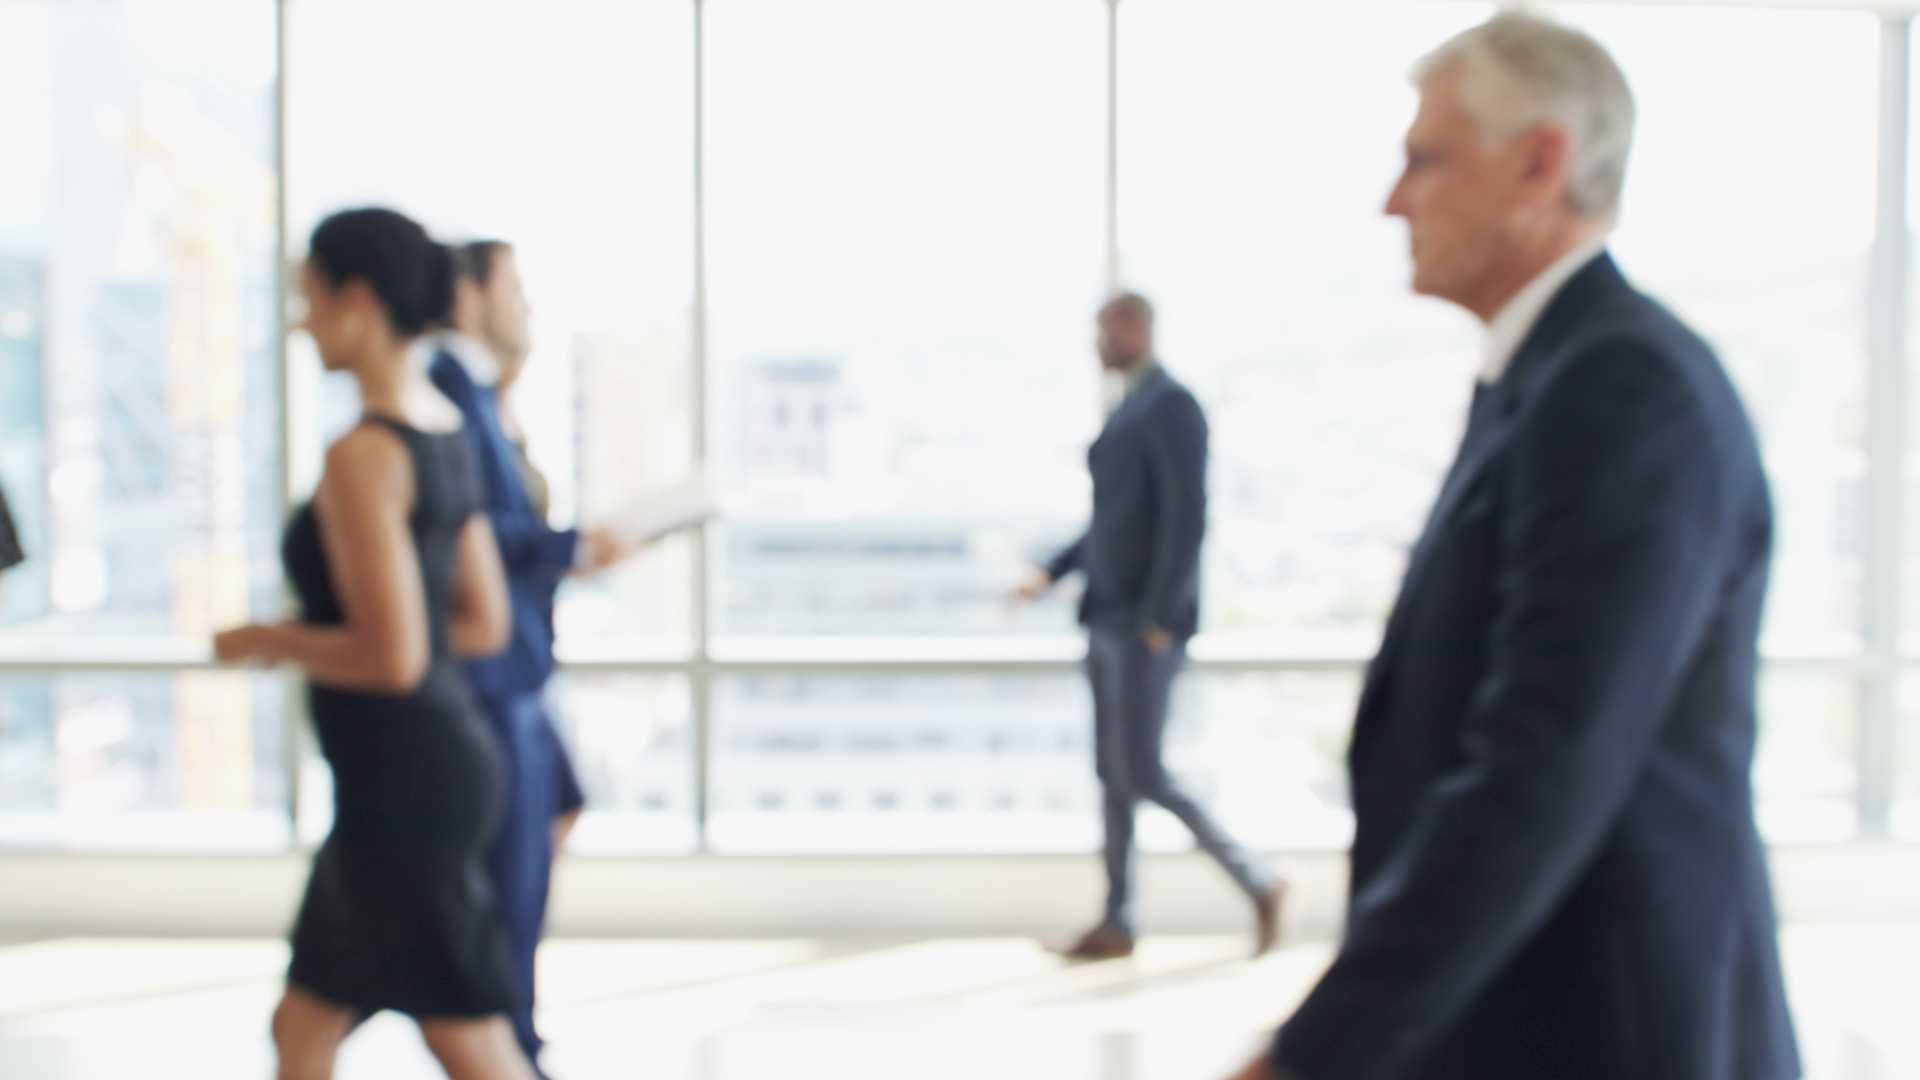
1509, 329
1138, 377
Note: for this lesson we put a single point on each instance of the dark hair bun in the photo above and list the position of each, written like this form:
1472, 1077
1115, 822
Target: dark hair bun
410, 273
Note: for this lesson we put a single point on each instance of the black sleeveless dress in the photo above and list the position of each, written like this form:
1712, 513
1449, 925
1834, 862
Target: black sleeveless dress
398, 913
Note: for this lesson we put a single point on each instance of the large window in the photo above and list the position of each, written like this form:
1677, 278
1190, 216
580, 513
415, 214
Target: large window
845, 255
906, 212
632, 741
139, 419
1906, 823
190, 760
1806, 773
1257, 148
902, 762
1767, 253
141, 443
470, 117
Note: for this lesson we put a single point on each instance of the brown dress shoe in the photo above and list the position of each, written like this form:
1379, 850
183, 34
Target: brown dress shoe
1100, 943
1266, 912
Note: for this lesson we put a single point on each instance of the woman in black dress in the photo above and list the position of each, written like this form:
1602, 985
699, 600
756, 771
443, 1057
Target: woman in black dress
398, 579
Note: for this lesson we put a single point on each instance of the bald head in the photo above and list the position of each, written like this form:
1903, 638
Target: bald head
1126, 332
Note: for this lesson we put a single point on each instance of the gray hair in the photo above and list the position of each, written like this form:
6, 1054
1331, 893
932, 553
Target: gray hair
1522, 71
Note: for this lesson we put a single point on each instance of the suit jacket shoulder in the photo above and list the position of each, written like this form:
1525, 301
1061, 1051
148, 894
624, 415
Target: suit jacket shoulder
1604, 336
1169, 400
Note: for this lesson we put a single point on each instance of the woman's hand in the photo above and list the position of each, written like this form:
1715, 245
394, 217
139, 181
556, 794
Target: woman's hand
251, 644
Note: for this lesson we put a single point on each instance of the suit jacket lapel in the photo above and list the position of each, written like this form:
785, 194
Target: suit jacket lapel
1503, 400
506, 490
1485, 437
1486, 440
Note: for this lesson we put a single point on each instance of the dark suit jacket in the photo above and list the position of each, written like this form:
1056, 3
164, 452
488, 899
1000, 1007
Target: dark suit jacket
11, 553
1141, 555
1556, 874
536, 557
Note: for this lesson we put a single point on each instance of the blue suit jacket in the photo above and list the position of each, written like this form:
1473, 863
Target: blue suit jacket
536, 557
1556, 872
1141, 554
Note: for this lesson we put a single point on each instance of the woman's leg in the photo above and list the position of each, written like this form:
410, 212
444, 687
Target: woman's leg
307, 1033
482, 1049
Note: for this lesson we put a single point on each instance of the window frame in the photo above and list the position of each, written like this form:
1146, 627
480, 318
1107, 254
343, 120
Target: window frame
1876, 669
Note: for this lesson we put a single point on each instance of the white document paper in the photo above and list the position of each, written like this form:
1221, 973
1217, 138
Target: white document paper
662, 513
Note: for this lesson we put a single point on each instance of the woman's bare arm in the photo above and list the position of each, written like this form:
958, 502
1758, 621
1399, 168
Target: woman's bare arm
482, 611
366, 495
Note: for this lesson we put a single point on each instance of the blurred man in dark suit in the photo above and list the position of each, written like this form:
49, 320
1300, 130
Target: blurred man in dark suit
12, 554
1556, 872
485, 347
1141, 560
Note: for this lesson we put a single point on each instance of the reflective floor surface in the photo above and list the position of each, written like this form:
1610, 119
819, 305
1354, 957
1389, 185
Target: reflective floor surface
990, 1009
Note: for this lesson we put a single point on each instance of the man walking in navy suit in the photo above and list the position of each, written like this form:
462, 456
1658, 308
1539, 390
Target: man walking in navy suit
1141, 560
1556, 872
490, 321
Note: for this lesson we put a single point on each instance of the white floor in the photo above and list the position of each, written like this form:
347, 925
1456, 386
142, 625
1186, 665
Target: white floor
994, 1009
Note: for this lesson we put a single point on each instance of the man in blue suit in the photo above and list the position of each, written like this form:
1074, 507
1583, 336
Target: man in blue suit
490, 322
1141, 559
1556, 872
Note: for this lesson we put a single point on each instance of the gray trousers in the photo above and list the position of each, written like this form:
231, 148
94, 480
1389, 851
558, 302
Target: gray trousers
1132, 688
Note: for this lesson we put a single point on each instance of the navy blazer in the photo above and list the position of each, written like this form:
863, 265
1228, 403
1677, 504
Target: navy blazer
11, 553
1556, 871
1141, 554
536, 557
